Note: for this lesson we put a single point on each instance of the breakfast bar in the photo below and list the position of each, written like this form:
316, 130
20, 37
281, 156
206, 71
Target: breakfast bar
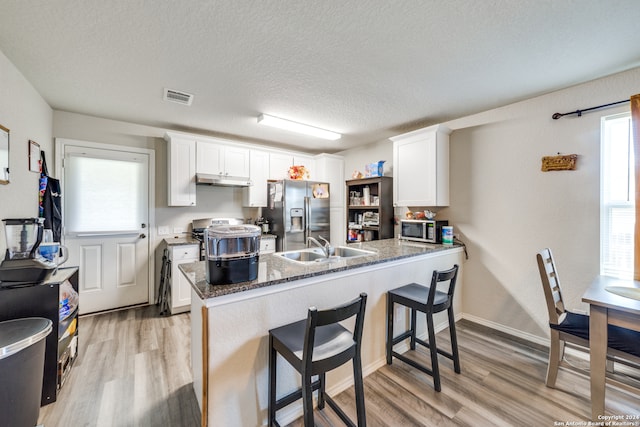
230, 323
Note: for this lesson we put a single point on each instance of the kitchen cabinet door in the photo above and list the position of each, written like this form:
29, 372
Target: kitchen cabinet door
330, 168
181, 171
308, 162
421, 167
221, 159
279, 164
267, 245
180, 294
236, 161
256, 194
209, 158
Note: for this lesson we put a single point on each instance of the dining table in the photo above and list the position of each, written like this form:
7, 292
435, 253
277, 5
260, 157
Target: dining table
612, 301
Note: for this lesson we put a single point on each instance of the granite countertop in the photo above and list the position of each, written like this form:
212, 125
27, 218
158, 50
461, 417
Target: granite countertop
274, 269
177, 241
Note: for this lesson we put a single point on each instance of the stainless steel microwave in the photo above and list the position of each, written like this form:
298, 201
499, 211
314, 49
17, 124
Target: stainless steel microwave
418, 230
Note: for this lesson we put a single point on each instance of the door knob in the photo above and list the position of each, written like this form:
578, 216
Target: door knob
143, 236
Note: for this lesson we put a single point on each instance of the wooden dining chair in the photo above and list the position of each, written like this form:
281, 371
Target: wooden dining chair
570, 327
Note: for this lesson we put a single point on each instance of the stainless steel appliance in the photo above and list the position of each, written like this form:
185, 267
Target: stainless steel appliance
22, 262
418, 230
232, 253
297, 210
199, 225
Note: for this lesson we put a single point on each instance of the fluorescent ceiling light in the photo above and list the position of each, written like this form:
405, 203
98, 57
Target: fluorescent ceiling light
276, 122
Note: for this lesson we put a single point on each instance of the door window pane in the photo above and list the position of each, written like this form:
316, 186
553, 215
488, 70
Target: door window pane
103, 194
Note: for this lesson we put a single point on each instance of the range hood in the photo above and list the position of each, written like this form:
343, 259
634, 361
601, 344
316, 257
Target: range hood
223, 180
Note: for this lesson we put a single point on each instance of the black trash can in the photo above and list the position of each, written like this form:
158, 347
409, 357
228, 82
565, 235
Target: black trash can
22, 343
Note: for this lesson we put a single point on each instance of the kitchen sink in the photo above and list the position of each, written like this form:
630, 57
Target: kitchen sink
347, 252
313, 255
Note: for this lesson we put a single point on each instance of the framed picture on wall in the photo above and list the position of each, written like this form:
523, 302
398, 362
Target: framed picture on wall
34, 156
4, 155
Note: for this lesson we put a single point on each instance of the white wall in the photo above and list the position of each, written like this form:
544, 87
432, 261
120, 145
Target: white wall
355, 159
28, 117
507, 209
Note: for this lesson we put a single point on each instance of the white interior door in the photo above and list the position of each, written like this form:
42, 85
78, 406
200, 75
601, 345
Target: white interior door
106, 224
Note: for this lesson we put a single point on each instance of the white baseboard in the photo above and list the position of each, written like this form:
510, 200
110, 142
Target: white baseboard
507, 330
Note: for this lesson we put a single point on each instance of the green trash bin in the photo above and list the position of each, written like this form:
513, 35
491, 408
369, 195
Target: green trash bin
22, 344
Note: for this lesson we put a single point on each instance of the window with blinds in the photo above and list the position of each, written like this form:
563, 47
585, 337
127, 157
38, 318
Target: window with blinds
617, 199
107, 194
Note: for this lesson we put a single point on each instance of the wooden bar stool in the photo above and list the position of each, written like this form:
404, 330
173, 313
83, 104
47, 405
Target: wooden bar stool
313, 347
428, 300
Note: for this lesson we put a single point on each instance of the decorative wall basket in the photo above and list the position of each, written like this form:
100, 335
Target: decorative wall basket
559, 163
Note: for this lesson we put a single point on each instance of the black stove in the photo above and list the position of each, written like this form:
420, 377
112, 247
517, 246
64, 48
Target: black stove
199, 225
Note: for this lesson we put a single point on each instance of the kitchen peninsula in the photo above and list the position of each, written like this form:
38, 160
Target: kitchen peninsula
230, 323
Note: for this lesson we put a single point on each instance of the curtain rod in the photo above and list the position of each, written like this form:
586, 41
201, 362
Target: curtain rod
556, 116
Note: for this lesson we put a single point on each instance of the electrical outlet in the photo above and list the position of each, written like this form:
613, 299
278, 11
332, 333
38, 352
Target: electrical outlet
163, 231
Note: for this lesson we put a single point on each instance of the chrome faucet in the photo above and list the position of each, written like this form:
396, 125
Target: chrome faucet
326, 248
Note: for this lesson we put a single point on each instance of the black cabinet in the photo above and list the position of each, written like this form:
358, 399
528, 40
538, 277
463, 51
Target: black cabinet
369, 209
62, 343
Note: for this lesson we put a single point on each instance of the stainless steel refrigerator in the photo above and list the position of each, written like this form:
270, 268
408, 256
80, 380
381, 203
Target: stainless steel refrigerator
297, 210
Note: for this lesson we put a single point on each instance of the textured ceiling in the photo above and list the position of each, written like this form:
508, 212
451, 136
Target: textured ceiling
368, 69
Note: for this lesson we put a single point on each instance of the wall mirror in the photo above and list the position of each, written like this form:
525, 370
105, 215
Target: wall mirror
4, 155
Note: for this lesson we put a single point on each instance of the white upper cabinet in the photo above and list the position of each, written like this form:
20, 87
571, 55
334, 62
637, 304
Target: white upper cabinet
237, 161
421, 167
279, 164
221, 159
181, 171
308, 162
256, 195
330, 168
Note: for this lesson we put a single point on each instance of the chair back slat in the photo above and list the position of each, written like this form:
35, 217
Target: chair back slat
340, 313
550, 285
317, 318
450, 275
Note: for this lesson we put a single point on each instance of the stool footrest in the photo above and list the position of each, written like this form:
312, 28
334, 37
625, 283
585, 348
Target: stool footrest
412, 363
440, 351
402, 337
295, 395
338, 410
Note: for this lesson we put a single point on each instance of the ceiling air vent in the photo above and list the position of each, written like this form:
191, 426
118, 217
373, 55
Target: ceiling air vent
178, 97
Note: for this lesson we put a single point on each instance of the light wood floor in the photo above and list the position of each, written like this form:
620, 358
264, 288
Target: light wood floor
133, 370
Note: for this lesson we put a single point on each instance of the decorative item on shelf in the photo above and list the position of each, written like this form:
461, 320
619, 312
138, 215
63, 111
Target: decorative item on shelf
429, 215
374, 169
409, 215
559, 162
298, 172
357, 175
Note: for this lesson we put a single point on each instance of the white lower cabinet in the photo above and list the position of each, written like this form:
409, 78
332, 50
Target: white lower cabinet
267, 245
179, 286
